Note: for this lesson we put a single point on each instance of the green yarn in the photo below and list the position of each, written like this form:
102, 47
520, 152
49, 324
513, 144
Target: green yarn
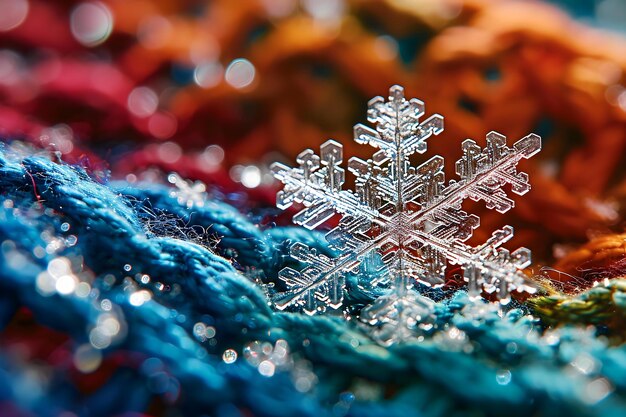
602, 305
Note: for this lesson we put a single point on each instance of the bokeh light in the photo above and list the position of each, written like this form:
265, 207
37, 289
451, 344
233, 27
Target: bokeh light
240, 73
229, 356
251, 176
91, 23
325, 11
12, 13
10, 63
279, 8
162, 125
143, 102
208, 74
154, 31
87, 359
192, 101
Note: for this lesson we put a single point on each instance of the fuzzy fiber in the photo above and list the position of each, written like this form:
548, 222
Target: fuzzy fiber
477, 360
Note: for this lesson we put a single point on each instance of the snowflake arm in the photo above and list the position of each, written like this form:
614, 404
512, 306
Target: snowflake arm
316, 183
314, 287
486, 268
398, 129
399, 134
322, 282
483, 173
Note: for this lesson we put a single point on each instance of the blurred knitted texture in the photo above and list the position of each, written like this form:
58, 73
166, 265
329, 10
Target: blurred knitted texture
210, 89
122, 307
122, 299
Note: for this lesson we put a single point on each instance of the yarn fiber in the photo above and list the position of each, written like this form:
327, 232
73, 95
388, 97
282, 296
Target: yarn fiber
476, 360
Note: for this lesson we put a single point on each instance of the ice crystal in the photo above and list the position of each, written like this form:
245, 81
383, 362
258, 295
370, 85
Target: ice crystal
190, 194
402, 218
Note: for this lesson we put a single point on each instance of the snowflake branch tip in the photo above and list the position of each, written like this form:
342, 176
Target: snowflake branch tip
398, 128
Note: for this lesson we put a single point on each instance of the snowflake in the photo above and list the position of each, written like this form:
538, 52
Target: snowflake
402, 219
187, 193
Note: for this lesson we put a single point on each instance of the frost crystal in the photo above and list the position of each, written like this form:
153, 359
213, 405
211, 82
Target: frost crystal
190, 194
400, 218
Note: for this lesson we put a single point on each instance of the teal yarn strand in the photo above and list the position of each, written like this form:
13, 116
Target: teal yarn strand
476, 360
237, 238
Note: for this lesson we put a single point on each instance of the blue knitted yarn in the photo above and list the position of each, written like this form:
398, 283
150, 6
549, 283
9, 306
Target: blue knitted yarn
475, 361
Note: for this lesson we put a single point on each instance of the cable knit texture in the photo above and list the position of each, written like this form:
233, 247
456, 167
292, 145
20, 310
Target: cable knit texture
202, 263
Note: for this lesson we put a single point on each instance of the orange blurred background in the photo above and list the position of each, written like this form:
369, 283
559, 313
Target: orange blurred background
213, 89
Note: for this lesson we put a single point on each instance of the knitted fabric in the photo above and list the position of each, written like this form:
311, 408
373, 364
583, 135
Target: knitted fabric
476, 360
